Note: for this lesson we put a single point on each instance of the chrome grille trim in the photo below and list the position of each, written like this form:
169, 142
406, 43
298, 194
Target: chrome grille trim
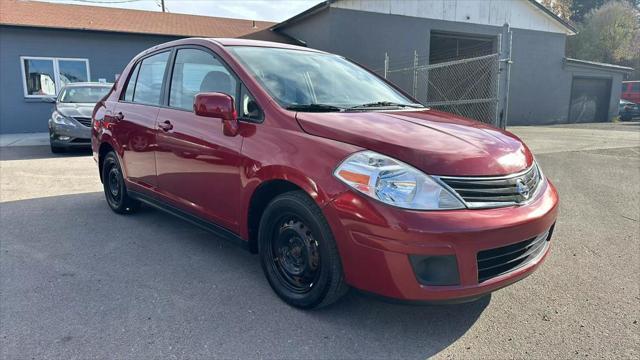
495, 191
84, 121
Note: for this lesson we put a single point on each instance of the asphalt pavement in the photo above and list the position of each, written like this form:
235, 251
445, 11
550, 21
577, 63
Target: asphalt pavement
78, 281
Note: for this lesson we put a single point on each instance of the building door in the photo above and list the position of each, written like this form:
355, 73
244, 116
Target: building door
590, 99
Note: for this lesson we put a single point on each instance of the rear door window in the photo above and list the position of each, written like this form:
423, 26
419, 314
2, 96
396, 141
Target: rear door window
131, 85
149, 80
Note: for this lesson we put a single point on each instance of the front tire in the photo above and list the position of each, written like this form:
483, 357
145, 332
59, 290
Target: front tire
56, 149
298, 253
115, 190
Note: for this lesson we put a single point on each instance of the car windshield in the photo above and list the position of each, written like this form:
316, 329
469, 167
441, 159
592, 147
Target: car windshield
311, 81
83, 94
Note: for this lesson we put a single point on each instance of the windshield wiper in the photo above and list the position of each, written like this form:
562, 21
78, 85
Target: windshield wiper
381, 104
314, 107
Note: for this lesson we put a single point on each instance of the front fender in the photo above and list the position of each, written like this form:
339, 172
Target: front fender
303, 160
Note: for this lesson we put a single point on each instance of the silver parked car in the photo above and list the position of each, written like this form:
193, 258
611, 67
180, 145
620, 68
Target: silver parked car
70, 122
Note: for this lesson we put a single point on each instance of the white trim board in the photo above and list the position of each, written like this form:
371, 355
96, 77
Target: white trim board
520, 14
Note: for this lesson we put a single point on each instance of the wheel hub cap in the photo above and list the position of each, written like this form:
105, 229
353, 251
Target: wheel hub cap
296, 255
114, 183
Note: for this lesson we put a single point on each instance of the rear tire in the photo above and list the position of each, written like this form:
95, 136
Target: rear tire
298, 253
115, 190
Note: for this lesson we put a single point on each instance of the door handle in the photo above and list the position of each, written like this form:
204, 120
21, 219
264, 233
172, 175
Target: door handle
166, 125
118, 117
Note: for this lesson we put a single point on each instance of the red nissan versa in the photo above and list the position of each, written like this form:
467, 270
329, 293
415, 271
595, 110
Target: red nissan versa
334, 176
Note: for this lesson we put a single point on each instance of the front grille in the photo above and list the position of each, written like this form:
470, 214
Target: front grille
498, 261
486, 192
86, 121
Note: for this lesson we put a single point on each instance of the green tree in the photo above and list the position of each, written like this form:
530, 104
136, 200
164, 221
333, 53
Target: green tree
562, 8
609, 34
581, 8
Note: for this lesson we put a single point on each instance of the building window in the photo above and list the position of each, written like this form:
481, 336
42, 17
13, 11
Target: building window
448, 47
44, 77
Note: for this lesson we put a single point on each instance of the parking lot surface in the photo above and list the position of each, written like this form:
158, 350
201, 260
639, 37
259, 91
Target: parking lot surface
78, 281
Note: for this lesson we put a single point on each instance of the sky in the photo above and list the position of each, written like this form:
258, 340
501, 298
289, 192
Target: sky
266, 10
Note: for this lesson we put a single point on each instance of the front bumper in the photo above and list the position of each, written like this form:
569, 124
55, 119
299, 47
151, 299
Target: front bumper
69, 136
376, 242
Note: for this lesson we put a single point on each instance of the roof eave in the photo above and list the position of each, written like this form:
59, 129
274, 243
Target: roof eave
325, 4
563, 22
311, 11
108, 31
603, 66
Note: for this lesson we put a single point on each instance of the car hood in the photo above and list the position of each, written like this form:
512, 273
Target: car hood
76, 109
435, 142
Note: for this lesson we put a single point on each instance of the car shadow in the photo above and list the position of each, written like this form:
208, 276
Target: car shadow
38, 152
150, 278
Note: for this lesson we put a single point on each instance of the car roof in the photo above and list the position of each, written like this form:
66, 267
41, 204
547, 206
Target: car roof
228, 42
88, 83
223, 42
258, 43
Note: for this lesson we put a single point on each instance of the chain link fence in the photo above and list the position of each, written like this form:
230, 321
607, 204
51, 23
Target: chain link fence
467, 87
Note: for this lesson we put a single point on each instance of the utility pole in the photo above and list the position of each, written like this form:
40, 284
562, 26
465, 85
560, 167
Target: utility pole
162, 3
386, 65
415, 74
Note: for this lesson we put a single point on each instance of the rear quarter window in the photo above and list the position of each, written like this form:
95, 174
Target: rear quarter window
131, 84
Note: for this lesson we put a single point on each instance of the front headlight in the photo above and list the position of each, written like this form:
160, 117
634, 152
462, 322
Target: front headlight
394, 183
60, 119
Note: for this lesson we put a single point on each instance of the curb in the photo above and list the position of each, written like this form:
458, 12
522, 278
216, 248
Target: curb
29, 139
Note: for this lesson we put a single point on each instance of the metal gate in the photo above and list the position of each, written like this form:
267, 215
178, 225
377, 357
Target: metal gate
475, 87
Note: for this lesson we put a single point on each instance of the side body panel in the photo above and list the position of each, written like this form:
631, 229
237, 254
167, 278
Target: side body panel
198, 167
136, 134
631, 91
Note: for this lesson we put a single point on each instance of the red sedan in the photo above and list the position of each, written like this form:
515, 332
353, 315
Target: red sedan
335, 177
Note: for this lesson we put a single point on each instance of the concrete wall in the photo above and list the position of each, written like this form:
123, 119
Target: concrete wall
108, 54
540, 86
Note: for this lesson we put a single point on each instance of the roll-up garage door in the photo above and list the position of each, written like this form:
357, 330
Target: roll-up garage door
589, 100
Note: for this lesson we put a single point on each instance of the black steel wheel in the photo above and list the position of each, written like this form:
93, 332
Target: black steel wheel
298, 252
115, 190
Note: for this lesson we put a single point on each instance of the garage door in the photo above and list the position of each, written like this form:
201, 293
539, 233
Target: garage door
590, 100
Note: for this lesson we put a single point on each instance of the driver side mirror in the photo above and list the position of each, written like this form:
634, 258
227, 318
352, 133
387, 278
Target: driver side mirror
220, 106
